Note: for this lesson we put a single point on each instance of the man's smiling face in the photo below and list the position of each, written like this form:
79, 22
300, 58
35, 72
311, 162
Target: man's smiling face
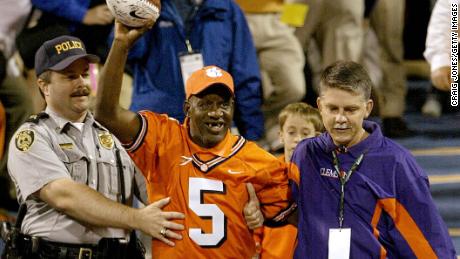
211, 114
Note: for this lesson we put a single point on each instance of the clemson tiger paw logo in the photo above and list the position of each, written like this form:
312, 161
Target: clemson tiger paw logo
213, 72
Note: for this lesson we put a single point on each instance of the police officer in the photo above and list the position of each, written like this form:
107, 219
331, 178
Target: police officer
70, 171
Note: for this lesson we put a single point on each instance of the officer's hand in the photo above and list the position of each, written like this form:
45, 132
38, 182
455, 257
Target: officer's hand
129, 35
155, 220
252, 213
441, 78
98, 15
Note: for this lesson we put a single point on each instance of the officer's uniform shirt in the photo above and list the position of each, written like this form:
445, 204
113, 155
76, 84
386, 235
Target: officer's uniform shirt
50, 148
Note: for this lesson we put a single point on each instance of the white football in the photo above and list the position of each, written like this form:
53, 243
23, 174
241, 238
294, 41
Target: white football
134, 13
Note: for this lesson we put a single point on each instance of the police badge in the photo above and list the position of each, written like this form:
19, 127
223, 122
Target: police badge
24, 140
106, 140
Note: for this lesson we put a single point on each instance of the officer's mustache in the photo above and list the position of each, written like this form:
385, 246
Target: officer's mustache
82, 91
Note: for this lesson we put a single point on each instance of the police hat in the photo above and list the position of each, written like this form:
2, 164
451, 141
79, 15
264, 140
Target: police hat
59, 53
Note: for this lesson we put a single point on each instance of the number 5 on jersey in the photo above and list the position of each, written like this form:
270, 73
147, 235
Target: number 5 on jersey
196, 189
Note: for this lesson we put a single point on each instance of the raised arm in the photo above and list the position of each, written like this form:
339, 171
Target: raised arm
123, 123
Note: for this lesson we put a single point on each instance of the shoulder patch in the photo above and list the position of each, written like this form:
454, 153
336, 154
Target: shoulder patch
36, 117
24, 140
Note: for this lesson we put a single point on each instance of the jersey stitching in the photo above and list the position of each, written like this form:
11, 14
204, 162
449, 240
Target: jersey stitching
206, 166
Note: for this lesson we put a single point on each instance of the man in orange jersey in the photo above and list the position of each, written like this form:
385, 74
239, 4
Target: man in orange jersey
200, 164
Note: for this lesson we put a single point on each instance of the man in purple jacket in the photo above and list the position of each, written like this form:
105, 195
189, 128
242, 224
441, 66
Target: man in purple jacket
360, 194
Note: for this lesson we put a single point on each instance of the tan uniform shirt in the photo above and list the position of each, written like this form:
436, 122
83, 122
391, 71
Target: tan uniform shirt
51, 148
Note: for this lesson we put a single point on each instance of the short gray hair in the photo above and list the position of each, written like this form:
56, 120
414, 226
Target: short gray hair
348, 76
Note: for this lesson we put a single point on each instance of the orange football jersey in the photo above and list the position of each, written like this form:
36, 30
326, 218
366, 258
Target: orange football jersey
278, 242
207, 185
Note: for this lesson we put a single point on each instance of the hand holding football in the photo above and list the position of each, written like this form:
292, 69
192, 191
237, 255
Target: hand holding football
135, 13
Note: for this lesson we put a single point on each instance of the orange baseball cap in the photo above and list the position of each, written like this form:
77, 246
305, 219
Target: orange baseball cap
206, 77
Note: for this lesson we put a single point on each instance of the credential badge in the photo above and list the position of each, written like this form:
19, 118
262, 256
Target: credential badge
24, 140
106, 140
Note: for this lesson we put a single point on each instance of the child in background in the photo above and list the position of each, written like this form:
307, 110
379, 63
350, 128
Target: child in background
297, 121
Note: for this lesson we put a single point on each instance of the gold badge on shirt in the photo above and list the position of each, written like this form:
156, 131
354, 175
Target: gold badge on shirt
24, 140
106, 140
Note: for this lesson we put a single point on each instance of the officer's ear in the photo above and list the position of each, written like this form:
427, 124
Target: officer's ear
43, 86
43, 81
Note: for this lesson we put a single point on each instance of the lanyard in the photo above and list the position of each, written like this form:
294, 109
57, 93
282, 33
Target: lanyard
344, 177
188, 26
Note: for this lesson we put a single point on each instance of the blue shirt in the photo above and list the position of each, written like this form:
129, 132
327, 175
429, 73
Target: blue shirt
220, 32
72, 10
388, 205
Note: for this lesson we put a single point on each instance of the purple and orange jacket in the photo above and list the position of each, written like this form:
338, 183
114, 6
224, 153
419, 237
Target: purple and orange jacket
388, 204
